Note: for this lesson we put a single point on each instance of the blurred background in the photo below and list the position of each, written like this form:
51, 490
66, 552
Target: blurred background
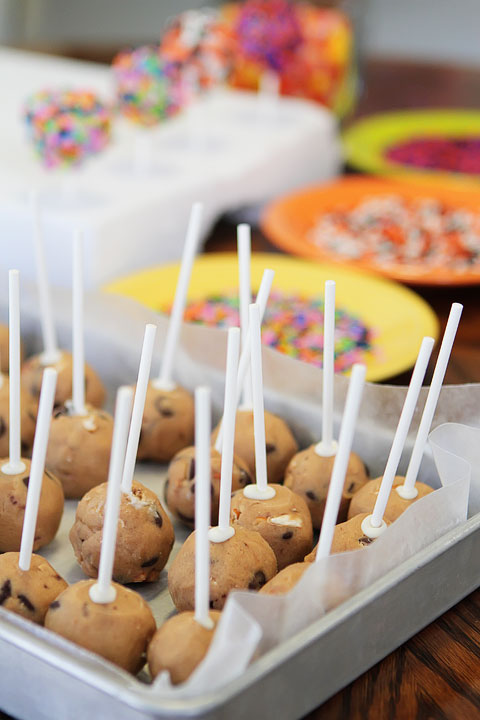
428, 30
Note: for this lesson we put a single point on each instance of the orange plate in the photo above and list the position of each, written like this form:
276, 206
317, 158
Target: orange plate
287, 222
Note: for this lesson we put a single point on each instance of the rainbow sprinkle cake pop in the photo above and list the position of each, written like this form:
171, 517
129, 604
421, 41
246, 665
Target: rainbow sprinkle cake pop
149, 87
67, 126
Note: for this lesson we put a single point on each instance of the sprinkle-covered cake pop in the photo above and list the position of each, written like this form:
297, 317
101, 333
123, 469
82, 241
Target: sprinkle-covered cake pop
268, 32
103, 617
202, 44
28, 583
67, 126
150, 88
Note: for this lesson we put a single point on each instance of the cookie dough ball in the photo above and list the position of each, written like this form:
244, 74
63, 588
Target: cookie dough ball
180, 485
180, 645
364, 501
28, 592
168, 423
119, 631
28, 418
78, 451
13, 498
283, 521
245, 561
308, 474
285, 580
347, 536
279, 441
32, 374
144, 538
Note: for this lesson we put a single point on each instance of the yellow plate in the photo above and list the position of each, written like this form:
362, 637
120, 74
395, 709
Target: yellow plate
397, 315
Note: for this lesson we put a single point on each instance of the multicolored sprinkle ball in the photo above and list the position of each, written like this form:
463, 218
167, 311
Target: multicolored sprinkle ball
293, 325
150, 88
66, 126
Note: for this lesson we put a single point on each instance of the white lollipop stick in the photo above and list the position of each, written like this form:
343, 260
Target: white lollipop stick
164, 380
78, 347
103, 591
337, 481
50, 353
45, 409
224, 529
14, 464
244, 249
261, 490
328, 447
202, 506
244, 364
138, 407
408, 490
374, 524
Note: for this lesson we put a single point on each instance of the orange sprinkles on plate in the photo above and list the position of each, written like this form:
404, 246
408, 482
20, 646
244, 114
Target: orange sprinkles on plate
387, 229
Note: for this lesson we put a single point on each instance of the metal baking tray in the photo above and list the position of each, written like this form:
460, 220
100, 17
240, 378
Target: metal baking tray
45, 677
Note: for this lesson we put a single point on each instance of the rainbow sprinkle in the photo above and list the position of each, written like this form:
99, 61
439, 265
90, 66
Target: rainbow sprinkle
269, 32
293, 325
149, 87
66, 126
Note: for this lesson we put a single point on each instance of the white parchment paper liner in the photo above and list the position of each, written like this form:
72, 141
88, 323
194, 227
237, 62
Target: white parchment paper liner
252, 623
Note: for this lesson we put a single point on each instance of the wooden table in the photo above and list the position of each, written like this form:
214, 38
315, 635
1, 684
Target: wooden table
436, 674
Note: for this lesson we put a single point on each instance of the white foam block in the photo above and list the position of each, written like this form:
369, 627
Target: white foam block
228, 150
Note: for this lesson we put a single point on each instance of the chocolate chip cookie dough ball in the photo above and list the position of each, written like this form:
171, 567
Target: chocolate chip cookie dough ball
28, 418
144, 538
245, 561
364, 501
180, 645
119, 631
283, 521
285, 580
32, 373
308, 474
180, 485
28, 592
167, 425
13, 498
279, 441
347, 536
78, 451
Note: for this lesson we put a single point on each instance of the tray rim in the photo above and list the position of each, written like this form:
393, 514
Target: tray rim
111, 681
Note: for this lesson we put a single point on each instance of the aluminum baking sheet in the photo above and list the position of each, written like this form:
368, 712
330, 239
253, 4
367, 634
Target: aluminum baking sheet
46, 677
